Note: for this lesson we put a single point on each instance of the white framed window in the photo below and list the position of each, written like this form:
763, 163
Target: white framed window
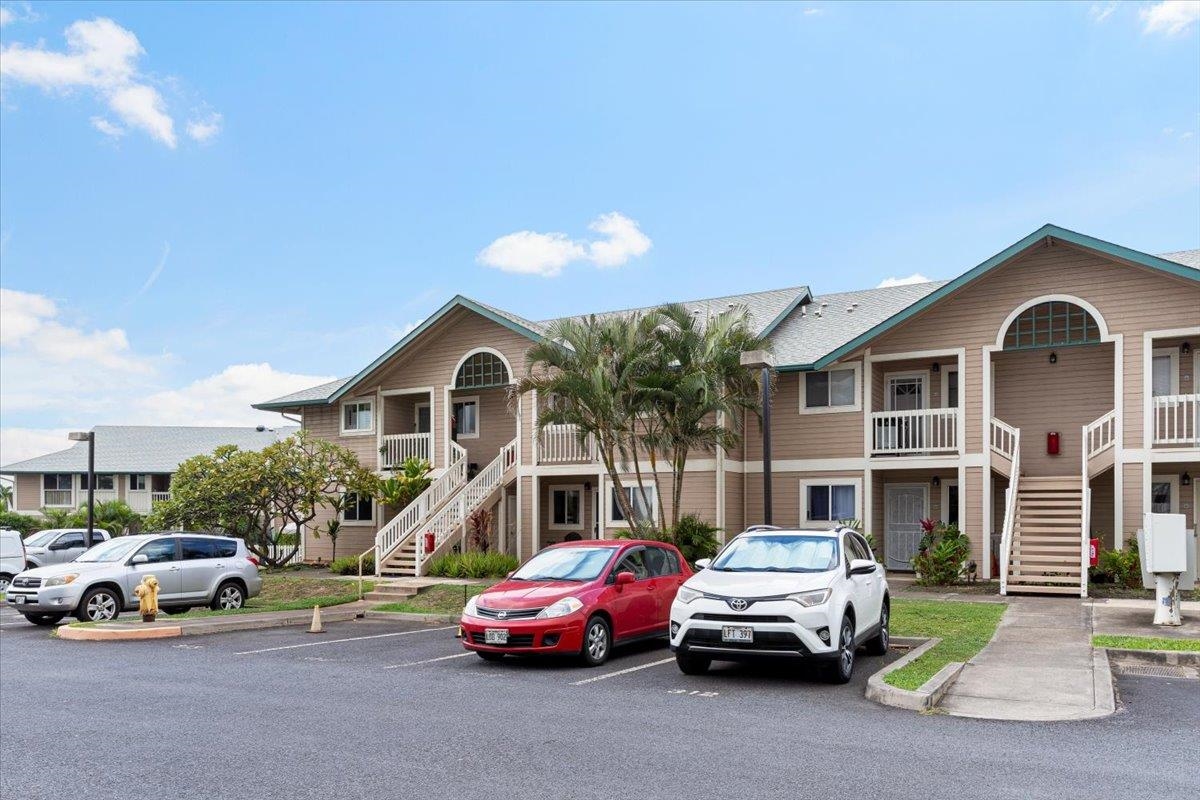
1164, 494
358, 417
950, 388
57, 489
643, 501
137, 482
566, 507
466, 417
104, 483
359, 510
949, 513
824, 501
1164, 371
832, 390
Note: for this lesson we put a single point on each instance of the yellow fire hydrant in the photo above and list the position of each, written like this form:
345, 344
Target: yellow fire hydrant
147, 594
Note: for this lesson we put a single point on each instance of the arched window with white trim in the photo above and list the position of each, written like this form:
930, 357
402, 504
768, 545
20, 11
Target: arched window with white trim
1054, 323
482, 370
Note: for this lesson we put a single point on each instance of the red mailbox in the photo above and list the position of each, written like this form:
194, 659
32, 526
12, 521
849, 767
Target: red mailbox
1052, 443
429, 543
1093, 552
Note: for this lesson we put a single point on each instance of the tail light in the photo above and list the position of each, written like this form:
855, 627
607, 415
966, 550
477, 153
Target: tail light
253, 560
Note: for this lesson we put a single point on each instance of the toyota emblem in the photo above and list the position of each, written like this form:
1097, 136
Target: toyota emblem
502, 615
738, 604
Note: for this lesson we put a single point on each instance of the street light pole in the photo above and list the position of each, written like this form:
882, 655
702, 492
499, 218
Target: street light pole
764, 361
90, 438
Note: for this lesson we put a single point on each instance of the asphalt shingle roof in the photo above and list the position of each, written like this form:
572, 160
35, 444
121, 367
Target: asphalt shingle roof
1189, 258
310, 395
145, 448
831, 320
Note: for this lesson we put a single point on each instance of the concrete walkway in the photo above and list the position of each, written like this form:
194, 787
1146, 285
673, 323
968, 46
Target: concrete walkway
1039, 666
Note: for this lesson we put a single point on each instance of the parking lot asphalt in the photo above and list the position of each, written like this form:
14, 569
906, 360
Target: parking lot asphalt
385, 708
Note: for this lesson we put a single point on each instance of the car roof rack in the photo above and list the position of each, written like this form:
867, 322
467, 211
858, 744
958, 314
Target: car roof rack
762, 528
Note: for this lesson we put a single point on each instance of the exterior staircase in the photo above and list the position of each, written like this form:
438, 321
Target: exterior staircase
1046, 553
390, 593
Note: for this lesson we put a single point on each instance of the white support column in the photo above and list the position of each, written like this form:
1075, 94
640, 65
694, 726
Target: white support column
868, 506
868, 390
447, 412
986, 439
537, 517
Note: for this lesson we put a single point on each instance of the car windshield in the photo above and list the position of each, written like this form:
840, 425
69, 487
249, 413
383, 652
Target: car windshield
40, 538
566, 564
112, 550
778, 553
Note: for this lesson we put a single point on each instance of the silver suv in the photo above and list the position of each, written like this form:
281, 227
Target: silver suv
192, 570
59, 545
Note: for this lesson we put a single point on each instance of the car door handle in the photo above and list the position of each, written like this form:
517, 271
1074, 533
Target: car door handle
173, 569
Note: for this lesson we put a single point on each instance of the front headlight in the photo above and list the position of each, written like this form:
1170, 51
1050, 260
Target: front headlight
810, 599
470, 608
61, 580
568, 605
686, 594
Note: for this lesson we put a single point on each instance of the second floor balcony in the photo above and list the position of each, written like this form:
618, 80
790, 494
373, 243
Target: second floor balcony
1175, 420
923, 431
399, 447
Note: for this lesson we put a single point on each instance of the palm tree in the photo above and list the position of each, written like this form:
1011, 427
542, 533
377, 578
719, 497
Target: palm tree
6, 496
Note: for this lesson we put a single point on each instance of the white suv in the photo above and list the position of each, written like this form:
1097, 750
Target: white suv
783, 593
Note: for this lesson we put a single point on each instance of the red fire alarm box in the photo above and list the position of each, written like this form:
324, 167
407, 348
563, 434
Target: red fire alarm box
430, 545
1052, 443
1094, 552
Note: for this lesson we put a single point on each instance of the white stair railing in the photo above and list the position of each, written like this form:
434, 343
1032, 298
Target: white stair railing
401, 526
1013, 441
1099, 435
1085, 540
445, 523
1003, 438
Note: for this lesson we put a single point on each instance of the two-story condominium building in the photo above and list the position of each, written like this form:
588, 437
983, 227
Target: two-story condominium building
134, 463
1042, 397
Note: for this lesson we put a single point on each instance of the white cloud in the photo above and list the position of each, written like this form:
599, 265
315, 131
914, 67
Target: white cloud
18, 444
204, 129
916, 277
813, 12
1170, 17
107, 128
545, 254
103, 57
158, 268
17, 12
224, 398
1099, 12
6, 17
29, 328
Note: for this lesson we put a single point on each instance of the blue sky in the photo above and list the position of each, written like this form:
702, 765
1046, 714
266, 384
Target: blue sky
207, 204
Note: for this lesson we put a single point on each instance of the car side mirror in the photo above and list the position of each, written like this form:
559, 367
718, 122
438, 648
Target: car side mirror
702, 563
510, 574
140, 558
861, 566
624, 578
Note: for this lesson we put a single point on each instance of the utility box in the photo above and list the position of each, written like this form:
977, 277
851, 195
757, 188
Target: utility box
1167, 547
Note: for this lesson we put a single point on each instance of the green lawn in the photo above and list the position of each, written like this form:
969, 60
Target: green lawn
279, 593
963, 627
1146, 643
442, 598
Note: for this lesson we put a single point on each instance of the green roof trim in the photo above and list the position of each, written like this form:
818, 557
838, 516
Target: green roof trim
1071, 237
269, 406
458, 301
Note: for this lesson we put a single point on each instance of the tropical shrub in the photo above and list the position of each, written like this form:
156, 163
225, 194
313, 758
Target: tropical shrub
941, 555
695, 538
405, 485
21, 522
1122, 567
472, 565
348, 565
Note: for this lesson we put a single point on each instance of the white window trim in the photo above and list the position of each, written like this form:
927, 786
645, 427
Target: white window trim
145, 482
360, 522
651, 490
370, 401
945, 388
856, 406
566, 526
923, 375
1173, 480
417, 415
821, 524
478, 414
1173, 353
73, 489
945, 501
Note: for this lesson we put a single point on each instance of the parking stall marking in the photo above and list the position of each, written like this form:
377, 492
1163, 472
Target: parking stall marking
427, 661
339, 641
626, 671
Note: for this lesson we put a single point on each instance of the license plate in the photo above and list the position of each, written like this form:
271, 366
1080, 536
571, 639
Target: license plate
731, 634
17, 599
495, 636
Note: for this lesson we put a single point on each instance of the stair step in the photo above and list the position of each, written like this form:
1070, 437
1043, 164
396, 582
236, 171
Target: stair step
1017, 577
1028, 588
1047, 558
1027, 502
1049, 494
1034, 540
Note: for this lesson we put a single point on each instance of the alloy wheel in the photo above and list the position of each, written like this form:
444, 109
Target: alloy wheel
230, 599
101, 607
884, 635
847, 654
597, 641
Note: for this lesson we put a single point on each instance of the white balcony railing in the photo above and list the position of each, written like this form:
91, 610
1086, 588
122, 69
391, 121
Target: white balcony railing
560, 444
142, 501
929, 430
398, 448
1176, 419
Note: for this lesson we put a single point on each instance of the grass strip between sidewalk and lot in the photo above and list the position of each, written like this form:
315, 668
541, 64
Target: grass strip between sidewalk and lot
279, 593
441, 598
1146, 643
963, 627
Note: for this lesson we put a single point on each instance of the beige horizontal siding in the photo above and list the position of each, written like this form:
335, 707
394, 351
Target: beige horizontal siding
27, 492
795, 435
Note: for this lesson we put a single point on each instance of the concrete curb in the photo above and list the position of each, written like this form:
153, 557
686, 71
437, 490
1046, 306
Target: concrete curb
126, 632
413, 617
922, 699
1175, 658
100, 634
1102, 684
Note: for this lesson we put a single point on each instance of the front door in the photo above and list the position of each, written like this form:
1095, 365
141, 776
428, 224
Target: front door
905, 505
422, 418
906, 393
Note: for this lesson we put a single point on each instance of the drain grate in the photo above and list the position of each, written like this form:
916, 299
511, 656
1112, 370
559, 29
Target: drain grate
1157, 671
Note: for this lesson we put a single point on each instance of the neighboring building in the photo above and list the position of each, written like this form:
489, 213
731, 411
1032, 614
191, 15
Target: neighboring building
892, 405
134, 463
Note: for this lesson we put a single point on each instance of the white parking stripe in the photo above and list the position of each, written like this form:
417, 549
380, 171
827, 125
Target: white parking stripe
339, 641
426, 661
608, 675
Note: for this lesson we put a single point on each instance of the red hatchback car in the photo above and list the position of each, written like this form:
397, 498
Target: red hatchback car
579, 598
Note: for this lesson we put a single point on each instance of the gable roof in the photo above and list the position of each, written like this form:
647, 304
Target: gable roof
146, 448
1189, 258
1159, 263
